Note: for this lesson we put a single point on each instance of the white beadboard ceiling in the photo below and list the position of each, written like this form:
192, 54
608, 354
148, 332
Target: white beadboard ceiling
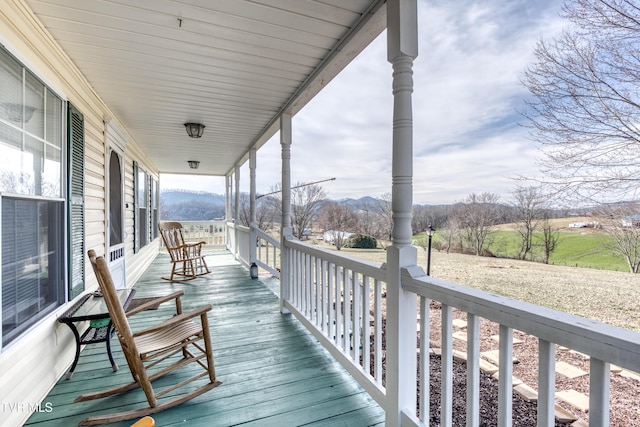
232, 65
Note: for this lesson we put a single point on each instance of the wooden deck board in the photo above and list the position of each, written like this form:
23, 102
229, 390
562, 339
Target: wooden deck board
274, 372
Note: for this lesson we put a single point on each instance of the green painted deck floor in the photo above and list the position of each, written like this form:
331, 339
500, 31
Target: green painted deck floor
273, 372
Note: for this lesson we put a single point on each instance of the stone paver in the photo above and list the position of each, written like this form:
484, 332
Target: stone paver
615, 369
630, 374
575, 399
529, 394
564, 416
494, 356
569, 370
516, 341
460, 335
580, 423
487, 367
459, 323
514, 381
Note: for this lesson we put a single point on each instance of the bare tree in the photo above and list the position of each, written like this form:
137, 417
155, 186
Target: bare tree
622, 223
451, 230
244, 214
586, 102
527, 204
422, 216
305, 203
339, 220
265, 214
477, 215
550, 238
385, 217
367, 219
306, 200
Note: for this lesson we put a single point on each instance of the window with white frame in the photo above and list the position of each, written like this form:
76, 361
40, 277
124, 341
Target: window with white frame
32, 197
146, 203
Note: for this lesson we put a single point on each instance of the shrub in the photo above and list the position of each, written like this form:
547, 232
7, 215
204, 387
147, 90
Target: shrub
361, 241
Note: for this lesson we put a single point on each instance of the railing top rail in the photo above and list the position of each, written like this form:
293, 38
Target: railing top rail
371, 269
243, 228
210, 221
269, 238
601, 341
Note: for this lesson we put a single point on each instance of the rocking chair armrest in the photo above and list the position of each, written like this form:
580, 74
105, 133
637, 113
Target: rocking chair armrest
155, 303
200, 311
193, 250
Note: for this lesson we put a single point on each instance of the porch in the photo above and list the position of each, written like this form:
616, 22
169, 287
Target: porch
274, 372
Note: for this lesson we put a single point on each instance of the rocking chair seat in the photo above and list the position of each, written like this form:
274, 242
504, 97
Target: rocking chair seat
158, 339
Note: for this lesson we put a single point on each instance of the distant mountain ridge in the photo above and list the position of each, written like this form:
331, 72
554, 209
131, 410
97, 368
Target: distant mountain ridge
186, 205
181, 196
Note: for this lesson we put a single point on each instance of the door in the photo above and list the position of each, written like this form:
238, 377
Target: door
115, 226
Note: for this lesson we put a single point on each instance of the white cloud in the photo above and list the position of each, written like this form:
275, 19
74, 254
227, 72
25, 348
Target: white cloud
466, 96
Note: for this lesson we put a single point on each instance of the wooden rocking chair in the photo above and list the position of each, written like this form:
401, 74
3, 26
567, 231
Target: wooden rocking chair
154, 347
186, 257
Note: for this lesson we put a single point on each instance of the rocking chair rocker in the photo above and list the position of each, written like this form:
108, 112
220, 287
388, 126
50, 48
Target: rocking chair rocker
152, 347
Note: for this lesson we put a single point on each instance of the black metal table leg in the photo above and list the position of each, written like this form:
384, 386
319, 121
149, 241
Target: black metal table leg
75, 360
110, 332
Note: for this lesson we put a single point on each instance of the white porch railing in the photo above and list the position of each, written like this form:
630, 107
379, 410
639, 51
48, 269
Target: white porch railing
340, 300
268, 252
211, 232
605, 345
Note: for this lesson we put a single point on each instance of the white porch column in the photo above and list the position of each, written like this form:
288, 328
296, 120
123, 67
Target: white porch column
227, 198
236, 213
285, 230
227, 207
252, 205
402, 48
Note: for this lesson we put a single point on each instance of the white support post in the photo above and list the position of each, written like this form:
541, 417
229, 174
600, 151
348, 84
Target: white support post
546, 383
599, 392
285, 229
446, 361
228, 215
473, 370
505, 378
401, 332
425, 360
236, 216
252, 206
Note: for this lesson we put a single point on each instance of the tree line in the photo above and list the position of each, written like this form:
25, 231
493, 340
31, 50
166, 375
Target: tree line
463, 227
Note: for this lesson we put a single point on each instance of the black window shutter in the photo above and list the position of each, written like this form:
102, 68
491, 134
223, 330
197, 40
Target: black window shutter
76, 201
136, 213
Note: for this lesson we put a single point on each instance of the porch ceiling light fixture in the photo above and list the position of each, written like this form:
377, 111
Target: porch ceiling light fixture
193, 164
194, 130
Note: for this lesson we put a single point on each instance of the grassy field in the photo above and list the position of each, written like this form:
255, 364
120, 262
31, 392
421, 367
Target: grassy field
574, 249
610, 297
577, 247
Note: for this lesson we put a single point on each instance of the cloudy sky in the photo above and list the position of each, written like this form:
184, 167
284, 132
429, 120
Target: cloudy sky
468, 136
